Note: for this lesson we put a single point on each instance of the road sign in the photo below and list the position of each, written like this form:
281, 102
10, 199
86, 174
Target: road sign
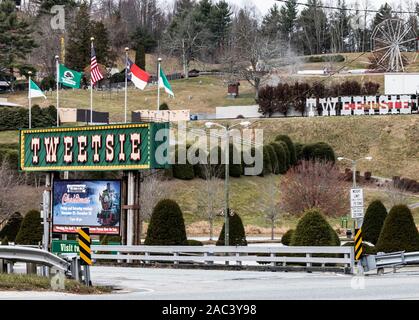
357, 197
65, 246
357, 212
358, 244
357, 203
84, 244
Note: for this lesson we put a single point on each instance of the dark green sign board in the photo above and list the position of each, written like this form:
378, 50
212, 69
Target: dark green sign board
72, 246
91, 148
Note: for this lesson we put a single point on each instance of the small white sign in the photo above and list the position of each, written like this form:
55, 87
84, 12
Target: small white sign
357, 197
357, 212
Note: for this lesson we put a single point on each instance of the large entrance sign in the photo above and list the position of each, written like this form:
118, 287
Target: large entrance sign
95, 204
92, 148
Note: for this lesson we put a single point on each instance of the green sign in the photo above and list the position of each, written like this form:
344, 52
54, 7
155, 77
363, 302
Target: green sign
93, 148
65, 246
72, 246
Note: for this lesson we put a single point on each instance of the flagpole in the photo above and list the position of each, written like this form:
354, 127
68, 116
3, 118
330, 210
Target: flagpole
30, 100
126, 82
158, 83
57, 67
91, 86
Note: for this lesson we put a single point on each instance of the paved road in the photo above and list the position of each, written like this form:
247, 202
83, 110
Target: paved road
166, 284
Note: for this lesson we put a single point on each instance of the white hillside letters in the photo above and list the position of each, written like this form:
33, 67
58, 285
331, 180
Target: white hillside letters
361, 105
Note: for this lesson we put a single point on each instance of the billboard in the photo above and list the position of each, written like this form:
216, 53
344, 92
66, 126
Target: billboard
92, 148
86, 203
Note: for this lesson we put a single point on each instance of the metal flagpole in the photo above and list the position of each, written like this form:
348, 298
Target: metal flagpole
126, 82
158, 83
91, 85
57, 67
30, 100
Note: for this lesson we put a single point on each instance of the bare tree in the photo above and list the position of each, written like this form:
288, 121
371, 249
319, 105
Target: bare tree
314, 185
210, 194
271, 199
396, 193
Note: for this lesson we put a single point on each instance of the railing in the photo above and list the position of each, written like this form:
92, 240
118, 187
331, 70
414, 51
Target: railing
33, 255
308, 257
386, 260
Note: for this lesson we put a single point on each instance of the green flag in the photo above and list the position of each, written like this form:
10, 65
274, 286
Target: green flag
69, 78
34, 91
163, 83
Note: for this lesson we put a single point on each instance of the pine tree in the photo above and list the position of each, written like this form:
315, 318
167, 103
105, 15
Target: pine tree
385, 12
237, 235
16, 40
271, 23
79, 45
104, 54
12, 227
288, 20
373, 221
31, 230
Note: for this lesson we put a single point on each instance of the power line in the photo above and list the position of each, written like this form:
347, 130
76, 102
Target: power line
344, 9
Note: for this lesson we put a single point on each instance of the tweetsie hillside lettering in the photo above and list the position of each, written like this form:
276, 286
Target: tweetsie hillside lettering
110, 147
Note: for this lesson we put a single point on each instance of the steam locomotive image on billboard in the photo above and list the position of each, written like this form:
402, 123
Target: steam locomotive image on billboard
87, 203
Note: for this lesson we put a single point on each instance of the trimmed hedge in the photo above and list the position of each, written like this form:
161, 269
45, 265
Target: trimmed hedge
291, 148
237, 235
167, 226
319, 151
373, 221
314, 230
266, 162
399, 232
191, 242
183, 171
273, 158
281, 157
287, 237
298, 150
31, 230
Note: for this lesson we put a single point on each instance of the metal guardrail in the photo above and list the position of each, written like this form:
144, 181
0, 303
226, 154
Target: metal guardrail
282, 256
386, 260
33, 255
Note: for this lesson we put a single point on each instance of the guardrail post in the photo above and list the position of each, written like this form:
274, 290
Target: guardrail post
308, 256
176, 254
239, 263
31, 268
10, 267
3, 267
272, 255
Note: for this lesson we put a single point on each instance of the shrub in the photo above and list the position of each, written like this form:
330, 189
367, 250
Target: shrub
399, 232
11, 229
191, 242
287, 237
281, 157
273, 158
318, 151
291, 148
5, 241
266, 162
350, 88
48, 83
298, 150
167, 226
370, 88
328, 58
313, 230
164, 106
287, 153
373, 221
182, 171
31, 230
237, 236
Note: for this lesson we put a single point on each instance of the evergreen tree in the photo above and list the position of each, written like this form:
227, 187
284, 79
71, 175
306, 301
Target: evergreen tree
399, 232
167, 226
104, 54
79, 44
16, 40
237, 235
31, 230
46, 5
288, 20
220, 23
143, 42
385, 12
271, 24
373, 221
291, 148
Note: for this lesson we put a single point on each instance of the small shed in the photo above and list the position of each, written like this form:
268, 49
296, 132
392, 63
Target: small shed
233, 89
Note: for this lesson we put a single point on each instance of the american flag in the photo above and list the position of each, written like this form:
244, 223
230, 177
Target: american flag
95, 74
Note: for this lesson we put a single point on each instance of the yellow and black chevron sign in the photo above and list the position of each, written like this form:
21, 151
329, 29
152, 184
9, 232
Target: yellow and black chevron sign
358, 244
84, 246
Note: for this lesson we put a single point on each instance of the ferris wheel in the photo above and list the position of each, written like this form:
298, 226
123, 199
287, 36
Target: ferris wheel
391, 39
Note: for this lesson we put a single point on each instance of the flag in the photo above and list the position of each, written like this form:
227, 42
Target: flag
163, 83
68, 77
34, 91
138, 76
95, 74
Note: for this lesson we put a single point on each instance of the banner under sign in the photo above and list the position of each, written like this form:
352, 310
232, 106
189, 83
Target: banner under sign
92, 148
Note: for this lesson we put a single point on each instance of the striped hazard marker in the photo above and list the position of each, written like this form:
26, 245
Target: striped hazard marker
358, 244
84, 246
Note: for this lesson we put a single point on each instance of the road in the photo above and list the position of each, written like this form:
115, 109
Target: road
169, 284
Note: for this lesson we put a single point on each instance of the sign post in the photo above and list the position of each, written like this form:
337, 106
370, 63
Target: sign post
357, 205
85, 253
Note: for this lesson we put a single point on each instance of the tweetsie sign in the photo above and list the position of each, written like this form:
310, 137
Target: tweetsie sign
92, 148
